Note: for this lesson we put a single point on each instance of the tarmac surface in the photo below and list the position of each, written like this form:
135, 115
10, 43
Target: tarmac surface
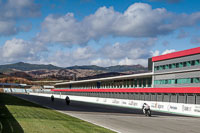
123, 120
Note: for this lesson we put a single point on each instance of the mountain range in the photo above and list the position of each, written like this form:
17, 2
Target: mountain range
51, 72
26, 67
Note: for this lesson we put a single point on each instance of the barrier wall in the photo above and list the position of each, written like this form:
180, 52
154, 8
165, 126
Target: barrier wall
22, 90
175, 108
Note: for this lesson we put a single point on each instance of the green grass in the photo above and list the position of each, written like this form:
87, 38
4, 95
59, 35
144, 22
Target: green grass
20, 116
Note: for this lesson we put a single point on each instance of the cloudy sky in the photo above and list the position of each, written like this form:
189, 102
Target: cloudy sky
96, 32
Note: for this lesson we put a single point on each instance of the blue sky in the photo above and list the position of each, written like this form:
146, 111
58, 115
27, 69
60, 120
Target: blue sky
96, 32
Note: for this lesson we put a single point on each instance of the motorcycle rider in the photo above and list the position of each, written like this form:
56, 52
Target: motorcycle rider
146, 108
52, 98
67, 100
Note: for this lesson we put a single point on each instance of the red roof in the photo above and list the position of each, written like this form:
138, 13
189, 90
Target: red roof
141, 90
177, 54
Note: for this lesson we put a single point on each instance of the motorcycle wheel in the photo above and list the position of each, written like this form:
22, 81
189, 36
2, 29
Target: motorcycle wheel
149, 113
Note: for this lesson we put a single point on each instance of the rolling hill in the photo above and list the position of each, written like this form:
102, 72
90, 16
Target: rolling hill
51, 72
26, 67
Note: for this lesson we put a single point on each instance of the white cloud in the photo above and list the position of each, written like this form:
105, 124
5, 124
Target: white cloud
130, 53
127, 61
15, 50
167, 51
79, 56
133, 49
155, 53
83, 53
139, 20
12, 11
104, 62
133, 52
123, 61
19, 9
63, 29
7, 27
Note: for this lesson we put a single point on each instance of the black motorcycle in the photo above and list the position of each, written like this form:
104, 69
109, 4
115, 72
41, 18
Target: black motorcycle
148, 112
146, 109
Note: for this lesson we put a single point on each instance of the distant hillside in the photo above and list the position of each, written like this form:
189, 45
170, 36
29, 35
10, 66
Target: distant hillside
102, 75
124, 68
62, 74
29, 67
51, 72
2, 75
26, 67
118, 68
88, 67
15, 80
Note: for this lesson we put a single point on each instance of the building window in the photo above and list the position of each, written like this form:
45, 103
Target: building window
188, 63
184, 81
196, 80
170, 66
140, 83
166, 66
169, 81
163, 67
135, 83
173, 81
174, 65
197, 62
193, 62
180, 64
177, 81
184, 64
144, 82
177, 65
160, 68
149, 82
166, 81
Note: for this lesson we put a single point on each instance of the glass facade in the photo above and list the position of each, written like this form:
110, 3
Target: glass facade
177, 81
126, 83
177, 65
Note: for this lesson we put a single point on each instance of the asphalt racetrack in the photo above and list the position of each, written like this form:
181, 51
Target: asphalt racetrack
122, 120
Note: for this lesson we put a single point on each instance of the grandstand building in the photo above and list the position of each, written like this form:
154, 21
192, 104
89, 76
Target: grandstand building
173, 85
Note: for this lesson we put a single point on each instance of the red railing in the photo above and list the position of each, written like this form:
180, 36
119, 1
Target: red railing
142, 90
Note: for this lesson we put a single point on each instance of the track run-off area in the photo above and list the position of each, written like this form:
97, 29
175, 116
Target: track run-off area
124, 120
21, 116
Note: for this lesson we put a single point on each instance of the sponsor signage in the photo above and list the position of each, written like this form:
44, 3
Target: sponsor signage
160, 106
197, 109
186, 108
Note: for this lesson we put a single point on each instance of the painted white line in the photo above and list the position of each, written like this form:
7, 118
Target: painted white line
89, 121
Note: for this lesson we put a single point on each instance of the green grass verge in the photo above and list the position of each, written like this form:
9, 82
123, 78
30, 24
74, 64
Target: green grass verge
20, 116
